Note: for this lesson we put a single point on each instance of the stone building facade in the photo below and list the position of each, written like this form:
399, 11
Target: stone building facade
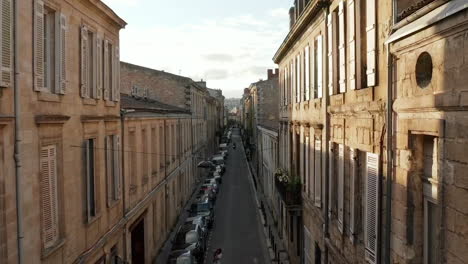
68, 99
332, 128
430, 50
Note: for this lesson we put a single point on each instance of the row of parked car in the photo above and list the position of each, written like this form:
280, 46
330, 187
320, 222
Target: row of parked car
190, 242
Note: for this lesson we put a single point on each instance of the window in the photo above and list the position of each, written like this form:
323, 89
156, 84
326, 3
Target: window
318, 173
332, 179
49, 196
154, 143
144, 155
87, 63
307, 73
133, 161
298, 78
162, 153
430, 207
318, 67
342, 47
371, 206
113, 168
352, 44
354, 191
6, 49
49, 49
424, 70
341, 183
332, 40
90, 178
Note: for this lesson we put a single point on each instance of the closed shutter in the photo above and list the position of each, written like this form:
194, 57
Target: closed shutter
84, 87
319, 66
6, 43
371, 29
116, 91
352, 44
112, 73
116, 147
318, 173
106, 70
109, 170
330, 53
353, 190
340, 187
50, 228
298, 79
331, 180
61, 63
371, 210
342, 46
39, 80
292, 88
307, 73
99, 69
307, 246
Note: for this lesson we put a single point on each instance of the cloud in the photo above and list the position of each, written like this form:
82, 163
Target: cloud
216, 74
121, 2
279, 13
218, 57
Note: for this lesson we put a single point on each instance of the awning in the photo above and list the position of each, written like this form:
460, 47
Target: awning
429, 19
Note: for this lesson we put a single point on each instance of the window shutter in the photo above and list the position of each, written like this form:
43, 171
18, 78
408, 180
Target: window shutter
371, 210
84, 63
307, 246
38, 45
6, 43
112, 73
99, 67
307, 73
353, 189
291, 78
318, 173
50, 228
106, 70
371, 30
108, 148
331, 176
116, 68
116, 146
298, 78
352, 44
60, 40
319, 66
342, 46
87, 171
330, 53
341, 187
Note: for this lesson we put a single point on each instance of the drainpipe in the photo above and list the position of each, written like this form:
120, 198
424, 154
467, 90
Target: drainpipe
17, 158
388, 201
122, 154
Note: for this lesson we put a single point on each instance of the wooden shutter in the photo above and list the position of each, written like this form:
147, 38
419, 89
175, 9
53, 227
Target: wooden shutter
109, 168
50, 227
352, 44
106, 70
39, 81
307, 246
307, 73
331, 178
298, 78
116, 68
7, 43
84, 87
112, 73
116, 147
371, 30
342, 46
340, 187
353, 190
330, 54
99, 69
318, 173
371, 210
61, 51
319, 66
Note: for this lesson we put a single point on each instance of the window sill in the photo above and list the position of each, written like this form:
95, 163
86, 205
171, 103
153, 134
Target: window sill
89, 101
93, 219
51, 250
48, 97
111, 204
110, 103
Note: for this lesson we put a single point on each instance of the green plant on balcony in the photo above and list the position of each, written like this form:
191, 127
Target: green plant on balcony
288, 186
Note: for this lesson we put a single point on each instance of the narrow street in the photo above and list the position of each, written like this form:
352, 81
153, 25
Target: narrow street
237, 228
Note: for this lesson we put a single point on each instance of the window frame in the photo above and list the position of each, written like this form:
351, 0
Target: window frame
91, 216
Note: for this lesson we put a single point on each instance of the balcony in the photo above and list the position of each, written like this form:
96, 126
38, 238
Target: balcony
289, 191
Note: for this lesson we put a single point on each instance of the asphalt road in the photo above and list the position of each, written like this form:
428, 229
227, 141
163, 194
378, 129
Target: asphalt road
237, 223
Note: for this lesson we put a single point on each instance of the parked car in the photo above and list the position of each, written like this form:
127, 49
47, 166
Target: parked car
218, 160
216, 176
210, 193
210, 187
198, 220
204, 209
182, 257
190, 238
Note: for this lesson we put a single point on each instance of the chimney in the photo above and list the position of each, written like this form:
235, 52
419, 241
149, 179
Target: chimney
273, 73
202, 83
292, 17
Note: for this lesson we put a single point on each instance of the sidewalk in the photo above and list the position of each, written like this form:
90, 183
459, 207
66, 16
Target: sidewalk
277, 252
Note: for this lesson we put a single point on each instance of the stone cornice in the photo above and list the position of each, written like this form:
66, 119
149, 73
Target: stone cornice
51, 119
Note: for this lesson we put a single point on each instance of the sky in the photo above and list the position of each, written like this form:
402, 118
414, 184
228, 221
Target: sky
228, 43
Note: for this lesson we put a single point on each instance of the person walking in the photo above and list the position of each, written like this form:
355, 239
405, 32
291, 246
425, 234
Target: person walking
218, 254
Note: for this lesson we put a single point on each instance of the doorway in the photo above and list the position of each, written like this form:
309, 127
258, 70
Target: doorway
138, 243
